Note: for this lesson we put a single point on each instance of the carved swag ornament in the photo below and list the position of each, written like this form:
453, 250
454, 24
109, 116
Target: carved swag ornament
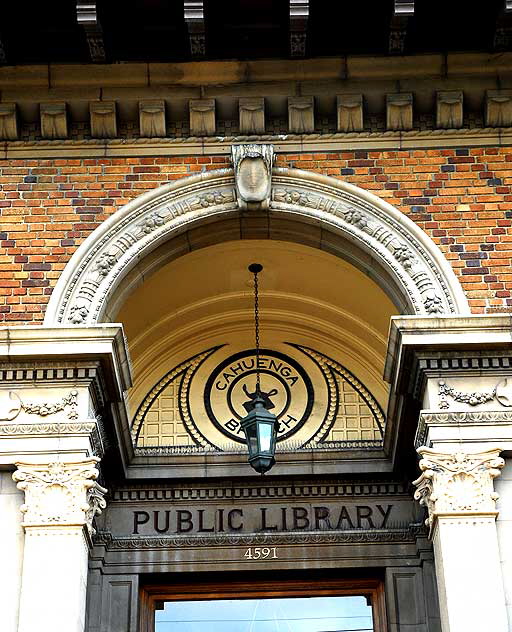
457, 483
60, 494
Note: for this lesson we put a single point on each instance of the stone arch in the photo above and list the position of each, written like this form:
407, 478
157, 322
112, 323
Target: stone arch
310, 208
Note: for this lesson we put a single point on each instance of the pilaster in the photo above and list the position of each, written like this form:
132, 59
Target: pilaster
452, 396
61, 407
61, 501
457, 490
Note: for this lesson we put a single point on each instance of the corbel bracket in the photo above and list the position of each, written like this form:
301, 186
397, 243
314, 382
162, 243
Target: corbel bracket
503, 29
299, 15
87, 17
403, 10
194, 19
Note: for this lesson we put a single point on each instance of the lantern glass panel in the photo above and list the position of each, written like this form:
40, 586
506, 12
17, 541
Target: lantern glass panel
265, 430
253, 442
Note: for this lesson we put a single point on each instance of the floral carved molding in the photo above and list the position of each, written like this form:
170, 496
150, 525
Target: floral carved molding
460, 483
60, 494
378, 230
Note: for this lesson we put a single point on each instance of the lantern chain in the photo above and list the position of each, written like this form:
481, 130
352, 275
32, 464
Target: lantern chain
257, 330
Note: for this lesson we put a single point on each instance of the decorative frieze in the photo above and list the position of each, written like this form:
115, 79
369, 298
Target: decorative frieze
459, 483
349, 112
54, 122
356, 536
328, 489
444, 126
502, 393
450, 109
252, 115
399, 112
253, 174
498, 108
202, 117
152, 118
301, 118
60, 493
103, 119
8, 121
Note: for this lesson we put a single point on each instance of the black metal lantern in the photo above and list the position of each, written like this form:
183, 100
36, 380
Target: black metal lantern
260, 425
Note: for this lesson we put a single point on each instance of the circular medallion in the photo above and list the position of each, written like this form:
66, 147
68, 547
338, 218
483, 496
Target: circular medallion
285, 385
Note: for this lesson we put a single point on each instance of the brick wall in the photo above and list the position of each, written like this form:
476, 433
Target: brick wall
462, 198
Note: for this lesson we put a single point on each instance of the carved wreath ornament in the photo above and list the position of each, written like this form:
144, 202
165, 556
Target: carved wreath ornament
60, 493
457, 483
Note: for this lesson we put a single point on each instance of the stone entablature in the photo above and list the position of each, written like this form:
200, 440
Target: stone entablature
338, 96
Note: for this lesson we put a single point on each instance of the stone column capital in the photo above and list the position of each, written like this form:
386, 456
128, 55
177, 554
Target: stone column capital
458, 483
60, 493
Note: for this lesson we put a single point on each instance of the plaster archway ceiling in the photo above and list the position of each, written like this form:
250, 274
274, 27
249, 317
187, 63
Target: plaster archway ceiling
308, 297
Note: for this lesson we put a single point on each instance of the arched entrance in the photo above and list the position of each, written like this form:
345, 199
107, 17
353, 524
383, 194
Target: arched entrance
339, 262
307, 208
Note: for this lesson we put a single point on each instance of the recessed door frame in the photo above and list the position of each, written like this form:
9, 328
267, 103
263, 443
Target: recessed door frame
152, 594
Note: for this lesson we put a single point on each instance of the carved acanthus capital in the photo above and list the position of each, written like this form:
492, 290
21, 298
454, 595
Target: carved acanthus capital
458, 483
253, 175
60, 494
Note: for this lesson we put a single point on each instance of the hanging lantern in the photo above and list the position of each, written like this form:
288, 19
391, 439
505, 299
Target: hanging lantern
259, 425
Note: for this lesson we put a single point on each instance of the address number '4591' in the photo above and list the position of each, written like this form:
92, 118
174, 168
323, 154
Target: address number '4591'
261, 553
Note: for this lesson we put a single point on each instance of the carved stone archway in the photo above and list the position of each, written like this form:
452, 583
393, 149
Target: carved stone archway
333, 215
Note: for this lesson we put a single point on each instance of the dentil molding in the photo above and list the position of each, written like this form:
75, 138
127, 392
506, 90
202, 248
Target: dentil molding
457, 484
60, 494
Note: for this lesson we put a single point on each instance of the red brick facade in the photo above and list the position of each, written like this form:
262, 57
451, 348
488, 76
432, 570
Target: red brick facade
462, 198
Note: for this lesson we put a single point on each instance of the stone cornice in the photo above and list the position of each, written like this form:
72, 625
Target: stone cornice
92, 429
51, 350
405, 534
215, 145
216, 73
474, 335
